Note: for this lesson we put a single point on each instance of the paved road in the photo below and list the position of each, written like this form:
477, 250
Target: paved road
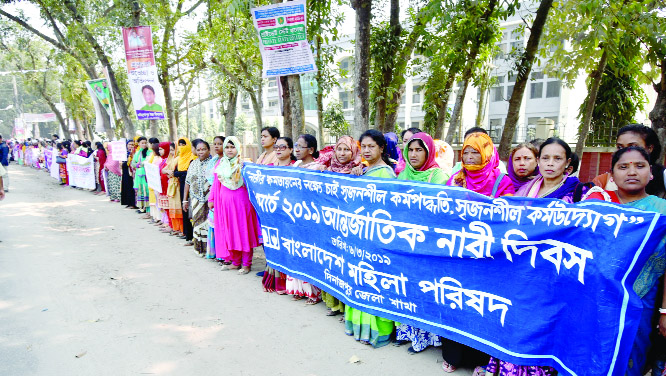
88, 288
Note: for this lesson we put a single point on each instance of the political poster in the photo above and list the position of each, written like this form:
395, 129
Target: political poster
119, 149
147, 95
529, 281
81, 171
102, 91
283, 39
153, 177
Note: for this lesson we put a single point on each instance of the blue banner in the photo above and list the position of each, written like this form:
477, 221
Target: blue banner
530, 281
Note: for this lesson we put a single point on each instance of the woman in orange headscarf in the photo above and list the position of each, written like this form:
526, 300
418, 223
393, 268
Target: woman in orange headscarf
185, 157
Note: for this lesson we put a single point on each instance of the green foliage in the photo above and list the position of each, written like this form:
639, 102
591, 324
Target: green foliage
334, 120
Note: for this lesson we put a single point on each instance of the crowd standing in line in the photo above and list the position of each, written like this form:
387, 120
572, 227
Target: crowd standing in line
204, 201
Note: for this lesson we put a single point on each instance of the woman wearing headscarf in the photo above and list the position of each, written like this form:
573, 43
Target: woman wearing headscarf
162, 198
480, 172
420, 153
523, 165
196, 197
155, 159
216, 154
127, 195
345, 157
63, 166
114, 176
173, 192
140, 182
237, 229
185, 157
393, 150
100, 160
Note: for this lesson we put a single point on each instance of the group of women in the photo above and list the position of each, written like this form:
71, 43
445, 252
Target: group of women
204, 201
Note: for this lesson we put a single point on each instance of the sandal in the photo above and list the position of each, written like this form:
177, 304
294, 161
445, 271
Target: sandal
331, 312
244, 270
229, 267
311, 301
447, 367
479, 371
189, 244
297, 298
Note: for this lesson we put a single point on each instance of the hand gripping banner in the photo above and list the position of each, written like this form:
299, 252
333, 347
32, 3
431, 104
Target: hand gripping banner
529, 281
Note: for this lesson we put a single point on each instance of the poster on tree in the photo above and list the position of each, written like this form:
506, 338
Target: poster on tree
283, 39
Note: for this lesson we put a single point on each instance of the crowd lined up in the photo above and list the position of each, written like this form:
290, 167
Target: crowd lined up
204, 202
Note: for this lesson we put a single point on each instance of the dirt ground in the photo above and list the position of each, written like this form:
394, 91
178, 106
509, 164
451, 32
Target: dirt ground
88, 288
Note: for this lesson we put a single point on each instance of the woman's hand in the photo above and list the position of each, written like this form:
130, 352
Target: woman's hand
358, 171
662, 325
211, 205
186, 205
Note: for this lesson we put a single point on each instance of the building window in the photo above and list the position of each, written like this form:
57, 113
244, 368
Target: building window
509, 91
345, 100
416, 124
416, 95
553, 89
272, 104
497, 92
536, 90
537, 75
272, 82
495, 127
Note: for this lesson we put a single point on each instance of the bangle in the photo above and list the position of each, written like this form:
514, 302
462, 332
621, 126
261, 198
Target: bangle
662, 311
185, 201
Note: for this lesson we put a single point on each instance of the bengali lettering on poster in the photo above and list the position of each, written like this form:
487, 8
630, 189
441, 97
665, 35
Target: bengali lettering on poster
81, 171
283, 39
530, 281
147, 95
119, 149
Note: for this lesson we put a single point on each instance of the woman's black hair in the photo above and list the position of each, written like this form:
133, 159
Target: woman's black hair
182, 140
196, 142
78, 142
378, 137
87, 144
66, 145
575, 162
648, 135
290, 145
413, 130
141, 139
205, 143
618, 154
154, 146
220, 137
59, 145
100, 146
475, 130
555, 140
311, 142
274, 132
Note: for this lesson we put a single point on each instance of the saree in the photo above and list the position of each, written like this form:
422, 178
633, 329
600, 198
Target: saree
199, 189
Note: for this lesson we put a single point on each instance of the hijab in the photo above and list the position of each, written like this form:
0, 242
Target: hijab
430, 171
479, 178
394, 152
519, 182
185, 155
344, 168
111, 164
229, 169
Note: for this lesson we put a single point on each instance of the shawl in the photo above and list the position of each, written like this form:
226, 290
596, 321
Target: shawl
334, 165
164, 180
394, 152
517, 181
111, 164
229, 169
479, 178
430, 171
185, 155
196, 178
267, 158
566, 187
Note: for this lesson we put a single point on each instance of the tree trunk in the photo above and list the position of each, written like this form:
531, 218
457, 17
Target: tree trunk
320, 93
382, 99
154, 128
481, 109
79, 131
363, 10
595, 82
286, 108
456, 116
523, 74
444, 103
392, 115
296, 105
171, 120
256, 107
658, 113
230, 113
101, 55
106, 122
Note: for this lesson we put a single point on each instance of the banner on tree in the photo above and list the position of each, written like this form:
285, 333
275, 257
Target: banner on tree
147, 96
529, 281
119, 149
283, 39
153, 177
81, 171
100, 87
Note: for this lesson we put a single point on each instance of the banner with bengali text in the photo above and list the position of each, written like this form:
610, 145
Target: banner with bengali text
530, 281
81, 171
153, 177
119, 150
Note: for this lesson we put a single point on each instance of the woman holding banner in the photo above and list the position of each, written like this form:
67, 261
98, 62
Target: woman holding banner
140, 182
173, 192
62, 165
196, 197
114, 176
155, 159
237, 229
632, 173
162, 198
218, 150
364, 327
479, 173
421, 165
127, 195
